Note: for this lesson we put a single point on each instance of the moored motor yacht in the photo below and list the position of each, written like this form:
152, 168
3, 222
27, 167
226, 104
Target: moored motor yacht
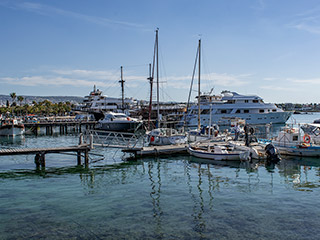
97, 102
11, 127
251, 108
118, 122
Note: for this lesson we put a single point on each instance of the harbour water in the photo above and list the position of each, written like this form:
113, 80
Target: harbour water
177, 197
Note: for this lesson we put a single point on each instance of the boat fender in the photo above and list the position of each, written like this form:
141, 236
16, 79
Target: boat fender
216, 132
152, 139
306, 138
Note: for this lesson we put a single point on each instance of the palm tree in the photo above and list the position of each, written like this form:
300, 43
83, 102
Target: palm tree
13, 96
20, 99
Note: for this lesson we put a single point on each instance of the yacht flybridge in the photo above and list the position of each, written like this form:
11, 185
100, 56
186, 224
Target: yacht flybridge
220, 108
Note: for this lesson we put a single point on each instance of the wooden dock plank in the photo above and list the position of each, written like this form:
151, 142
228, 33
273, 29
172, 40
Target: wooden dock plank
157, 150
17, 151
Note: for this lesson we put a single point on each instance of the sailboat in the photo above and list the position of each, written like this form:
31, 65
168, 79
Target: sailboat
206, 132
160, 136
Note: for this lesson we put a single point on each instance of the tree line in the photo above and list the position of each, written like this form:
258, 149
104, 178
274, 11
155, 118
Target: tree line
42, 108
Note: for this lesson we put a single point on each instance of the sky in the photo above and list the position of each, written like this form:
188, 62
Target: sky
269, 48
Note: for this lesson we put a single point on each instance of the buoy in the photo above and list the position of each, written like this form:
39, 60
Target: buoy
306, 138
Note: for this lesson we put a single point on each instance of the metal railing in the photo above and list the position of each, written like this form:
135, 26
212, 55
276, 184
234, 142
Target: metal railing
114, 139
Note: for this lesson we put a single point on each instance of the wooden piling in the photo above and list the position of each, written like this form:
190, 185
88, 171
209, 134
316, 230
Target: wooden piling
79, 158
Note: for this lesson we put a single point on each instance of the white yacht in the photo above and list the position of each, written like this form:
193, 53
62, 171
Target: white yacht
11, 127
118, 122
219, 109
96, 102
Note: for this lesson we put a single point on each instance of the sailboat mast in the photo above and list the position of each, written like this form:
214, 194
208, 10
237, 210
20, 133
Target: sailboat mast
150, 78
157, 58
199, 74
122, 87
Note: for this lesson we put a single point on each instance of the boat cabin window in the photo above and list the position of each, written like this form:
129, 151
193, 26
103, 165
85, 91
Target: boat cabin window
223, 111
120, 116
231, 101
205, 111
246, 111
274, 110
238, 111
246, 101
255, 101
261, 110
295, 138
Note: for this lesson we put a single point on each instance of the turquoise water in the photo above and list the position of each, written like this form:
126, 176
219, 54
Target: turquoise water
156, 198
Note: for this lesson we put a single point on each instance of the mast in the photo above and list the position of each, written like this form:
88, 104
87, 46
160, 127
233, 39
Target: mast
150, 78
151, 75
122, 87
157, 58
199, 120
191, 85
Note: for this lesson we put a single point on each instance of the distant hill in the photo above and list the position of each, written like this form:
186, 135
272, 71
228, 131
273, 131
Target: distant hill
53, 99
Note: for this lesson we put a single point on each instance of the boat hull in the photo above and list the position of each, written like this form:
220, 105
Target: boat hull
215, 156
308, 151
166, 140
119, 127
254, 119
11, 131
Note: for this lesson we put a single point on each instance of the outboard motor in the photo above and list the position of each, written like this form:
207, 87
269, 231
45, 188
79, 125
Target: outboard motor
272, 154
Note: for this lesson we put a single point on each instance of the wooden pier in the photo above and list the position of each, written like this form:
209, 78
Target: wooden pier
63, 126
157, 150
80, 150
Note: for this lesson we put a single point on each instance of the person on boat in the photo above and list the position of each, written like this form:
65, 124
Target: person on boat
236, 132
246, 135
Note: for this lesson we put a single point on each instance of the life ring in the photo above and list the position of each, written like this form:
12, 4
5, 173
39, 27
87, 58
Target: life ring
306, 138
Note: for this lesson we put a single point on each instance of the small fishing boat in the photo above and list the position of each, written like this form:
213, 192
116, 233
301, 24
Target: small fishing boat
218, 151
312, 129
11, 127
290, 141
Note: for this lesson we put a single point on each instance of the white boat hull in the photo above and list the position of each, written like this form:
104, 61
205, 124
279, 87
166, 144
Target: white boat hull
119, 126
166, 140
215, 156
11, 131
308, 151
255, 118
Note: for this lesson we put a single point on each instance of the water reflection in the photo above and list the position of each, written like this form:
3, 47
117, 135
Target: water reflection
9, 141
155, 193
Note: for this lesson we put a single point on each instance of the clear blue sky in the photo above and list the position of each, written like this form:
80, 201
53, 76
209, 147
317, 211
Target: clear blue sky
266, 47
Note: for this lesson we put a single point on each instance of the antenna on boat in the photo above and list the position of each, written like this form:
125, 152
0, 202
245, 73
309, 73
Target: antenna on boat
122, 87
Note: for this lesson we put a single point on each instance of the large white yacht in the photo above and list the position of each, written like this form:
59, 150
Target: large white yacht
96, 102
219, 109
